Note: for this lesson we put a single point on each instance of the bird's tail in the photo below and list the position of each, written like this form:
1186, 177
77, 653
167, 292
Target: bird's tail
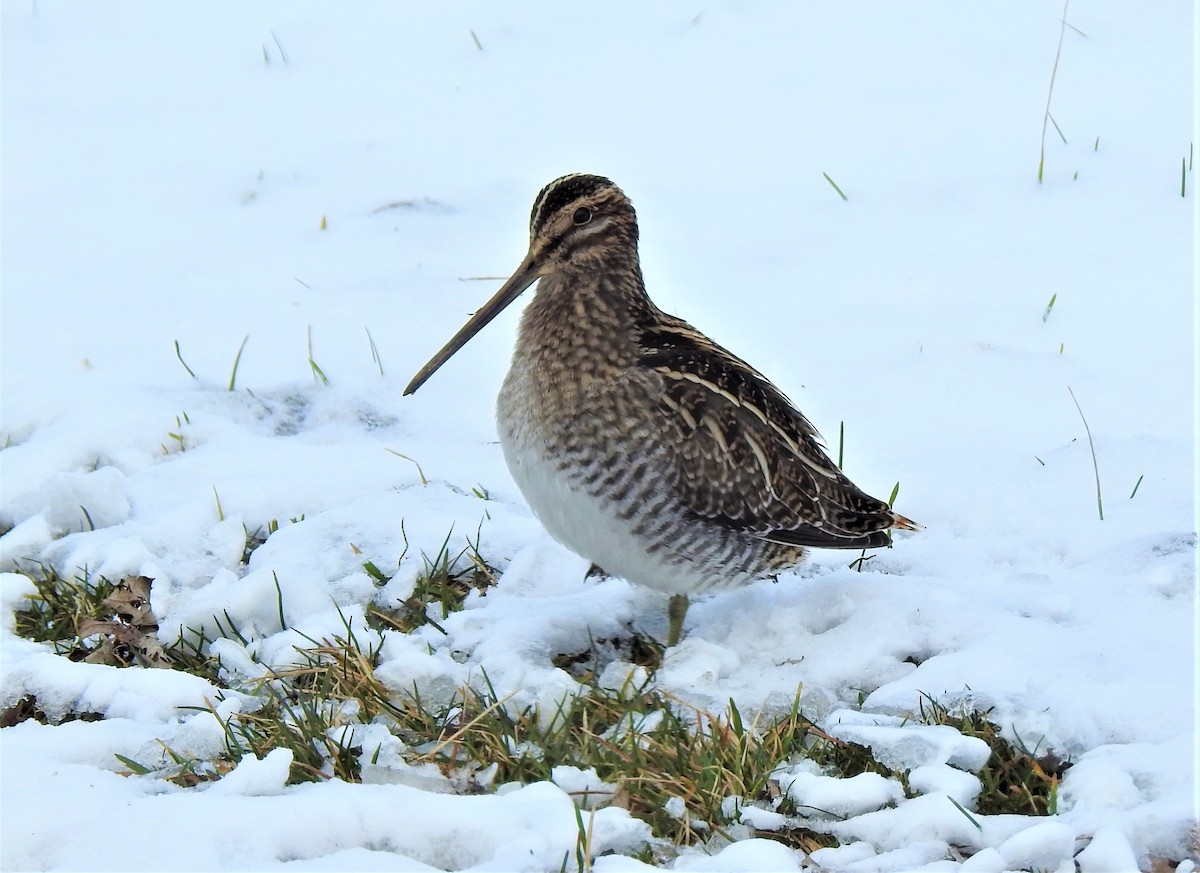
903, 523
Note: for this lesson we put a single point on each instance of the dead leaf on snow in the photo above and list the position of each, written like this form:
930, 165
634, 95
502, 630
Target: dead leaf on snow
132, 638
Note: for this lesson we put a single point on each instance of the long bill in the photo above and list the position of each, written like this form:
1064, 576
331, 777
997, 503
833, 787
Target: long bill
525, 276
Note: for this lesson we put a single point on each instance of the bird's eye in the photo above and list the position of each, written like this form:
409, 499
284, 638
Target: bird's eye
582, 215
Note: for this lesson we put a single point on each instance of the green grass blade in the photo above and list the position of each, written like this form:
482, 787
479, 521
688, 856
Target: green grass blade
960, 808
1046, 119
1092, 446
374, 350
179, 355
279, 602
237, 360
1058, 129
841, 193
318, 373
133, 765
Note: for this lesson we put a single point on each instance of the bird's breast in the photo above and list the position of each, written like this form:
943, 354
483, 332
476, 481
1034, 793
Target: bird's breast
590, 467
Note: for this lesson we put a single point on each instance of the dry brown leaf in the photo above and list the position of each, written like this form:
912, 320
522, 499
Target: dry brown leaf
133, 638
131, 601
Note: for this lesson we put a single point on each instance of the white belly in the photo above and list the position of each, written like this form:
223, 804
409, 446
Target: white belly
587, 525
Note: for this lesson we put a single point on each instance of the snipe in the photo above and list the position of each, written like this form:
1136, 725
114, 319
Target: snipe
641, 444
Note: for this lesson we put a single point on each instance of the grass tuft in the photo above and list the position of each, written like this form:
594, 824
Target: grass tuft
440, 589
177, 434
1016, 780
672, 764
59, 606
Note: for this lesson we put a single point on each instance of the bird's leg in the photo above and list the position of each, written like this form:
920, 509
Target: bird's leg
676, 610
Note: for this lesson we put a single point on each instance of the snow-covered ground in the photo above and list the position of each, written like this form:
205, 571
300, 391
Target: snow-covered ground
167, 172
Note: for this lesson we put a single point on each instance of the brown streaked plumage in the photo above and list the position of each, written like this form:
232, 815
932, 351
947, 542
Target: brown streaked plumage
640, 443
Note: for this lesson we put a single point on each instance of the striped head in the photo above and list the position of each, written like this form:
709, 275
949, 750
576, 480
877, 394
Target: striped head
579, 224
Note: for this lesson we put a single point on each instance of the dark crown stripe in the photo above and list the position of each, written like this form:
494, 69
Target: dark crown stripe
560, 192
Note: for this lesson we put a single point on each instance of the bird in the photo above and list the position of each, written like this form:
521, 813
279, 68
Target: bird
639, 443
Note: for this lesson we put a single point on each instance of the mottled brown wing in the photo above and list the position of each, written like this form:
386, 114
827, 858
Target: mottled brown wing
746, 457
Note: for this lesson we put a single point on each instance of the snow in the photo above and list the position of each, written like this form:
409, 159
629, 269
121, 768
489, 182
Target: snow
845, 797
947, 780
746, 856
1108, 852
585, 786
254, 777
901, 745
1046, 845
166, 175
